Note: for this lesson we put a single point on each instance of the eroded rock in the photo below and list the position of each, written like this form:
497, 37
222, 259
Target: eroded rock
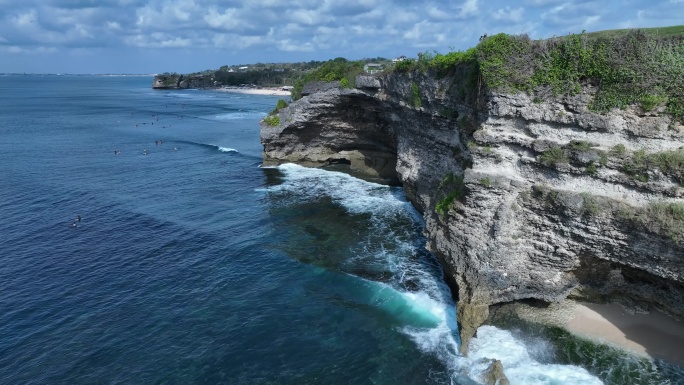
507, 220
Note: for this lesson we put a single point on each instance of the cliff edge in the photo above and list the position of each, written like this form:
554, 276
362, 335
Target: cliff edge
535, 187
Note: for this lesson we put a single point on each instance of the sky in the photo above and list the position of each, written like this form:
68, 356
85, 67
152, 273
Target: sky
154, 36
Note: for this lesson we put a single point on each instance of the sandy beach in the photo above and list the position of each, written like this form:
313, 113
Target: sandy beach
256, 91
654, 334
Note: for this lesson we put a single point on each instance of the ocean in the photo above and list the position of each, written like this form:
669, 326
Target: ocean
142, 243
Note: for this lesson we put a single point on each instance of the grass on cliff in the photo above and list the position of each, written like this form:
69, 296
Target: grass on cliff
279, 106
631, 68
637, 164
658, 32
628, 67
337, 69
665, 219
450, 189
272, 120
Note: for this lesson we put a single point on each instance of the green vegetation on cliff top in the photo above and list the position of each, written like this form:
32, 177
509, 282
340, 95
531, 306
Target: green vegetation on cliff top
337, 69
640, 67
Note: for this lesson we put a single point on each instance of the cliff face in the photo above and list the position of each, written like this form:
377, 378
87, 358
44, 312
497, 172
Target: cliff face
175, 81
524, 196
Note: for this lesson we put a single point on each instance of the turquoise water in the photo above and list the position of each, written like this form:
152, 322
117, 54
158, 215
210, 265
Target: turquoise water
192, 264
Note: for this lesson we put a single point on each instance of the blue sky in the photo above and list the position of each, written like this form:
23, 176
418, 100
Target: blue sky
151, 36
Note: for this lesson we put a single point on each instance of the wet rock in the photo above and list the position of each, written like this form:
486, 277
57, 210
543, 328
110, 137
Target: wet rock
494, 375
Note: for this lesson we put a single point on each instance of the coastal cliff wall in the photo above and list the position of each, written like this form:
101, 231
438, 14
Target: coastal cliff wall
525, 195
176, 81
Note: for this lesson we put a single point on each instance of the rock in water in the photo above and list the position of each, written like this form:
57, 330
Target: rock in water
494, 375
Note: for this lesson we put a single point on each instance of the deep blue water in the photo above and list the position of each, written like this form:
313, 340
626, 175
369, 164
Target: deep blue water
193, 265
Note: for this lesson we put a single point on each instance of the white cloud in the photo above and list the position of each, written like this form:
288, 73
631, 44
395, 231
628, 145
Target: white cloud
163, 40
307, 29
540, 3
438, 14
13, 49
592, 20
231, 40
508, 14
415, 33
556, 10
469, 8
289, 45
26, 19
228, 20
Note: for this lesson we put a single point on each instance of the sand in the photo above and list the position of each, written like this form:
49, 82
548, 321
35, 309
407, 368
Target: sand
256, 91
656, 335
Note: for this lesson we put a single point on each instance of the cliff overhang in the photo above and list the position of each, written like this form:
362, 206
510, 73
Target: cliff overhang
525, 195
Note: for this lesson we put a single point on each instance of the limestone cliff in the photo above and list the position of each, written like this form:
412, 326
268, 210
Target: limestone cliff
524, 196
176, 81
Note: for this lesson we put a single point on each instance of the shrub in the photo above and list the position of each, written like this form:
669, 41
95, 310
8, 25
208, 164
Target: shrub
332, 70
580, 145
486, 182
553, 156
451, 188
415, 96
636, 166
650, 101
404, 65
448, 113
500, 60
591, 169
664, 218
630, 68
443, 64
272, 120
590, 205
618, 150
641, 67
279, 106
670, 163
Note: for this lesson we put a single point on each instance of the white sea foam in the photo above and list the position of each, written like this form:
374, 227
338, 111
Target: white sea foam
226, 149
355, 195
239, 115
519, 366
417, 295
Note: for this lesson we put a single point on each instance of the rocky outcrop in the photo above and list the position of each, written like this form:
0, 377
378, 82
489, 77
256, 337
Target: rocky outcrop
338, 126
524, 196
317, 87
494, 375
176, 81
